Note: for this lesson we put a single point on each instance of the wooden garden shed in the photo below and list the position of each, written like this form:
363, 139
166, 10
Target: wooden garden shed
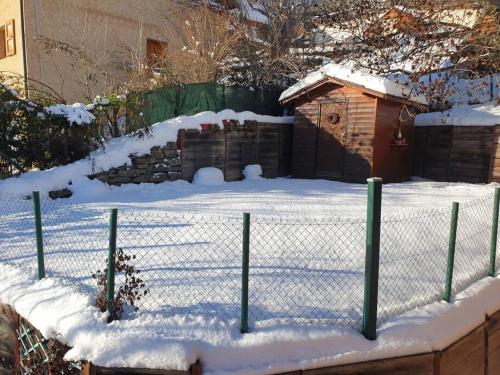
351, 125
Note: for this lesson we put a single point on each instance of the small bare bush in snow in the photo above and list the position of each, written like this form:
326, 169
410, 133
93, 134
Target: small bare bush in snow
131, 291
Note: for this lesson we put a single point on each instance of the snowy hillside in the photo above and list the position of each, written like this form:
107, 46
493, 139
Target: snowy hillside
116, 153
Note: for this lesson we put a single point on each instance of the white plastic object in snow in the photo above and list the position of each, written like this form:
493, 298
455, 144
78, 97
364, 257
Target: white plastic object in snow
252, 172
208, 177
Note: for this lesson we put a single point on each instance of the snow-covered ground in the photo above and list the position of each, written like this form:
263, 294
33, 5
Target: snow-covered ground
307, 244
116, 151
307, 254
173, 342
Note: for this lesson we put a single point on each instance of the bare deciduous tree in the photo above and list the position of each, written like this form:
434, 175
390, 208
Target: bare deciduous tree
431, 43
206, 40
275, 40
285, 44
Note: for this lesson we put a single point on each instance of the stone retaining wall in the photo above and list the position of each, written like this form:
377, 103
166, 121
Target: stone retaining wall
163, 163
230, 149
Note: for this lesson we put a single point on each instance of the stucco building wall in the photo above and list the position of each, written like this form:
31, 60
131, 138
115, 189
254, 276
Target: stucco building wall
103, 40
11, 9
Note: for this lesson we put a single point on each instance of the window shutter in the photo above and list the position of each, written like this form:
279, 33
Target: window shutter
10, 38
3, 48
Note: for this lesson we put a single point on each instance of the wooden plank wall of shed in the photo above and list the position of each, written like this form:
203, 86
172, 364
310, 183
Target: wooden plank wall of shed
392, 163
269, 145
454, 153
360, 132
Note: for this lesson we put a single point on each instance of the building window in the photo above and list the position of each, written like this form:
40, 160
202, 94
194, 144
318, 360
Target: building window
156, 53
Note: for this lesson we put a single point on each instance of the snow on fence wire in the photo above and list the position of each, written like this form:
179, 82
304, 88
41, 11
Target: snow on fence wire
301, 271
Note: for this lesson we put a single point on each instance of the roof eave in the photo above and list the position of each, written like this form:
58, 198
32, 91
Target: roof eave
325, 80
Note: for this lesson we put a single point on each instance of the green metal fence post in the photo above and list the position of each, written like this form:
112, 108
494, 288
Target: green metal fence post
494, 234
38, 233
451, 252
111, 261
244, 273
372, 258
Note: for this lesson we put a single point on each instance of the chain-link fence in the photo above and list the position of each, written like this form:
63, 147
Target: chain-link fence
301, 271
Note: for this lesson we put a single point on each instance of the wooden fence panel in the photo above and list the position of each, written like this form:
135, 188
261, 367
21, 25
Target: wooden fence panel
456, 153
240, 151
470, 153
268, 149
412, 365
232, 148
467, 356
495, 156
9, 349
202, 149
493, 344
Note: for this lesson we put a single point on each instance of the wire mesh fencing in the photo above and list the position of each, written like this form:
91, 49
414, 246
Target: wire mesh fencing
75, 239
306, 271
473, 242
191, 265
413, 253
301, 271
17, 240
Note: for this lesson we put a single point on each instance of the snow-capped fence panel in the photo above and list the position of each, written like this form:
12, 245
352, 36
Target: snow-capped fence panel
235, 146
457, 153
24, 350
302, 271
90, 369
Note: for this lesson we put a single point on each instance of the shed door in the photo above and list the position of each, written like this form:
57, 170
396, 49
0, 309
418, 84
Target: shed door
331, 139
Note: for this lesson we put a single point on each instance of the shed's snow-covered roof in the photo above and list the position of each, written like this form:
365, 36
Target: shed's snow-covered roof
487, 114
345, 73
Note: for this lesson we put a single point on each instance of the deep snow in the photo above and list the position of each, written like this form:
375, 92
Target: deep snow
176, 341
116, 153
307, 270
487, 114
307, 244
